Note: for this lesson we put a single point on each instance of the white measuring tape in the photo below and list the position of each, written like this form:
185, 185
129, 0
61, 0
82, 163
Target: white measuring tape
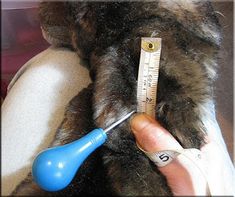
146, 101
193, 155
148, 75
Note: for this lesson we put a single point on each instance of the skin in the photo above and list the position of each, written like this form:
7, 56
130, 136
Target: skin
108, 36
182, 176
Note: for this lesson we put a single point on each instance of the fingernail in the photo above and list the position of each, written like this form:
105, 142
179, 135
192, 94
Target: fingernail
150, 135
147, 131
139, 121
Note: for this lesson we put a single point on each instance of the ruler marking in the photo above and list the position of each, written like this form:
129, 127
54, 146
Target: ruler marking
148, 77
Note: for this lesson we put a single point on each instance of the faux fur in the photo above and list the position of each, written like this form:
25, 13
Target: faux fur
108, 35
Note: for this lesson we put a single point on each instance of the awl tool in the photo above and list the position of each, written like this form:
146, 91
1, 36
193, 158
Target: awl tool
54, 168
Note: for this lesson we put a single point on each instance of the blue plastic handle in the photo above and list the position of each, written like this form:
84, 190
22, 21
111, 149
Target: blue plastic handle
54, 168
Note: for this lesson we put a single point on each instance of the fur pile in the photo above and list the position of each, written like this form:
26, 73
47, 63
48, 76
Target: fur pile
107, 35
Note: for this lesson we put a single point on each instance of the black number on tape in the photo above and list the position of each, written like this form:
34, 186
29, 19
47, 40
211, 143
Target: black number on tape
164, 157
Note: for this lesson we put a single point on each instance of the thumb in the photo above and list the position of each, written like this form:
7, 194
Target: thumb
152, 137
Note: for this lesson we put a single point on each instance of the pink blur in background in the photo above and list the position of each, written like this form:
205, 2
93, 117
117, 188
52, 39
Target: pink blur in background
21, 38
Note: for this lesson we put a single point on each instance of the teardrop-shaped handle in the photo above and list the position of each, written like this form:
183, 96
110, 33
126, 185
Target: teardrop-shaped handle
54, 168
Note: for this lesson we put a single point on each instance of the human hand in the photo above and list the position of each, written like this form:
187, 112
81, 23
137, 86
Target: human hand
184, 176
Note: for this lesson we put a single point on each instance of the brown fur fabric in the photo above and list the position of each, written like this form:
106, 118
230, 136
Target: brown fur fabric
108, 35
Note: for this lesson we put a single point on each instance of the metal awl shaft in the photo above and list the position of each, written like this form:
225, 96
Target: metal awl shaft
118, 122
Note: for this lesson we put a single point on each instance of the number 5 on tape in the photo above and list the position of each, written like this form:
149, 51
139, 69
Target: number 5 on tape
162, 158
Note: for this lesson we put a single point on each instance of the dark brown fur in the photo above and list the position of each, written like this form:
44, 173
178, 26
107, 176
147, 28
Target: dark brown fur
108, 36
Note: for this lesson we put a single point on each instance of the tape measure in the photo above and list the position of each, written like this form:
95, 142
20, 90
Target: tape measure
148, 75
146, 102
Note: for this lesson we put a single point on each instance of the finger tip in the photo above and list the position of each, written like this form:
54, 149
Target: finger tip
150, 135
139, 121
